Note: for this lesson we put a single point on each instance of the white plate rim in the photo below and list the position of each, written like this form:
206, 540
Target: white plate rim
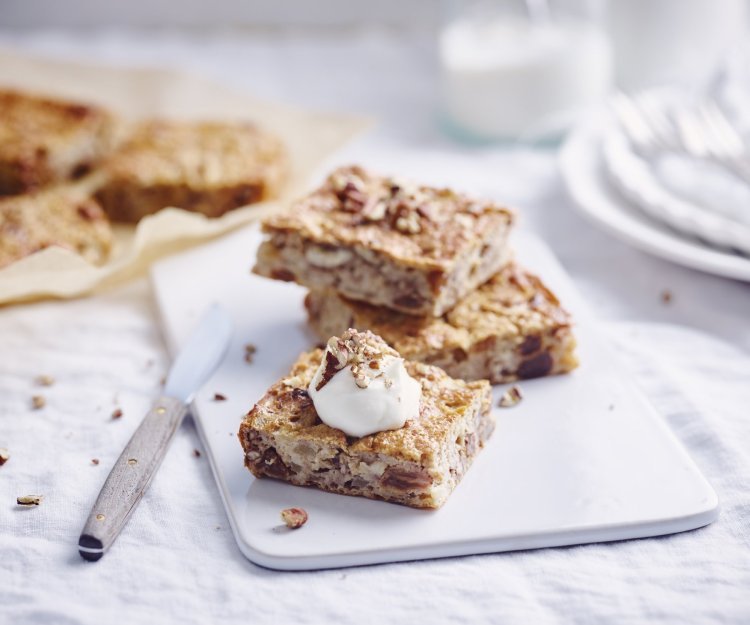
635, 179
581, 165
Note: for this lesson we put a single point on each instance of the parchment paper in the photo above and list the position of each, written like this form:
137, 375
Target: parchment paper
135, 93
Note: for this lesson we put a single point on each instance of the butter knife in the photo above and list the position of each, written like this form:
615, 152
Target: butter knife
140, 459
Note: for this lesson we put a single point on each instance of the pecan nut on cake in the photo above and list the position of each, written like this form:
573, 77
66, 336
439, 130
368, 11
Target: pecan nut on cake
414, 249
357, 419
510, 328
205, 167
62, 216
44, 140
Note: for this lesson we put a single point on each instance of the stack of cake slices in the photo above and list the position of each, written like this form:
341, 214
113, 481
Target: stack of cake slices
429, 270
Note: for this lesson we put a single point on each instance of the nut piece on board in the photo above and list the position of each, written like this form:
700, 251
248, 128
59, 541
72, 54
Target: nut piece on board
29, 500
511, 397
294, 517
38, 402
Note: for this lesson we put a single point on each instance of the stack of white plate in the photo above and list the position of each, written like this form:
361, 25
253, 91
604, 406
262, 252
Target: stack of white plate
686, 210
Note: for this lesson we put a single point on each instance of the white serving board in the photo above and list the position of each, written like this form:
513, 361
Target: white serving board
583, 458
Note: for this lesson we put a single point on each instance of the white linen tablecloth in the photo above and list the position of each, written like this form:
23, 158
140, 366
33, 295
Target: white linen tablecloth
177, 561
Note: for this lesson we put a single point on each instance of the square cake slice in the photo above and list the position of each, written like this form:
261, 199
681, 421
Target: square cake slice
64, 216
205, 167
418, 465
511, 328
414, 249
44, 140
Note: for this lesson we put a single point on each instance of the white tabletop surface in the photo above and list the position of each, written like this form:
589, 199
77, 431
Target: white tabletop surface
177, 561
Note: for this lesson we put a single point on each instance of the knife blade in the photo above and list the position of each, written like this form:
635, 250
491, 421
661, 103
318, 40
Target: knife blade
139, 461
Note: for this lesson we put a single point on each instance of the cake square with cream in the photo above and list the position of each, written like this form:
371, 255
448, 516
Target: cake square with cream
357, 419
411, 248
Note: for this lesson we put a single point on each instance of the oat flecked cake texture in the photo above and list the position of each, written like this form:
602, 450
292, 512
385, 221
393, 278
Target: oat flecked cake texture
418, 465
205, 167
45, 140
414, 249
511, 328
64, 216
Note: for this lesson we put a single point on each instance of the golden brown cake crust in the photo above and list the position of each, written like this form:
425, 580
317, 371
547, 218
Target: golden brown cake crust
514, 312
418, 226
62, 216
419, 464
207, 167
45, 140
410, 248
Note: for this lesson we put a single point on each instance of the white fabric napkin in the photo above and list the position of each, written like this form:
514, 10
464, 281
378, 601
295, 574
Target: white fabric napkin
177, 562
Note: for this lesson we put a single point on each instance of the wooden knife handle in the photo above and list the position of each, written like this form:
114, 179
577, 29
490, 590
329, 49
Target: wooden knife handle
130, 477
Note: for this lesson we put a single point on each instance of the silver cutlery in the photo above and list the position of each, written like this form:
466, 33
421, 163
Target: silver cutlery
702, 131
139, 461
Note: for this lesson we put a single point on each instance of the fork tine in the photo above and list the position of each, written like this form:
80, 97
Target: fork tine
632, 121
656, 118
691, 133
723, 129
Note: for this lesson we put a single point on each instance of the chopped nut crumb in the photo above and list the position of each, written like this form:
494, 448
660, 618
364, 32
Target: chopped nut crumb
29, 500
197, 453
38, 402
117, 413
219, 397
95, 461
44, 380
294, 517
364, 351
409, 224
4, 456
250, 350
666, 296
511, 397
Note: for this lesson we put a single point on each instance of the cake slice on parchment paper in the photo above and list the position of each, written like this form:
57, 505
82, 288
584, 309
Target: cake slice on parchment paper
204, 167
45, 141
418, 464
64, 216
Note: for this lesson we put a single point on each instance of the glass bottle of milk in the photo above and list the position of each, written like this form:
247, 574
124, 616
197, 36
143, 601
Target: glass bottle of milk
521, 69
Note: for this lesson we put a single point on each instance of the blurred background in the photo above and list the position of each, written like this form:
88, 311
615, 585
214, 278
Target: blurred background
463, 92
472, 70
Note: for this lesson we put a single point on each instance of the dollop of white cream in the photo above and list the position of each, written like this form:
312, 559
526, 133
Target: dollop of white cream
387, 403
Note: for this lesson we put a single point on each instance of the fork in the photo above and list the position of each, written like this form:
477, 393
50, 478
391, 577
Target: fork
702, 131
